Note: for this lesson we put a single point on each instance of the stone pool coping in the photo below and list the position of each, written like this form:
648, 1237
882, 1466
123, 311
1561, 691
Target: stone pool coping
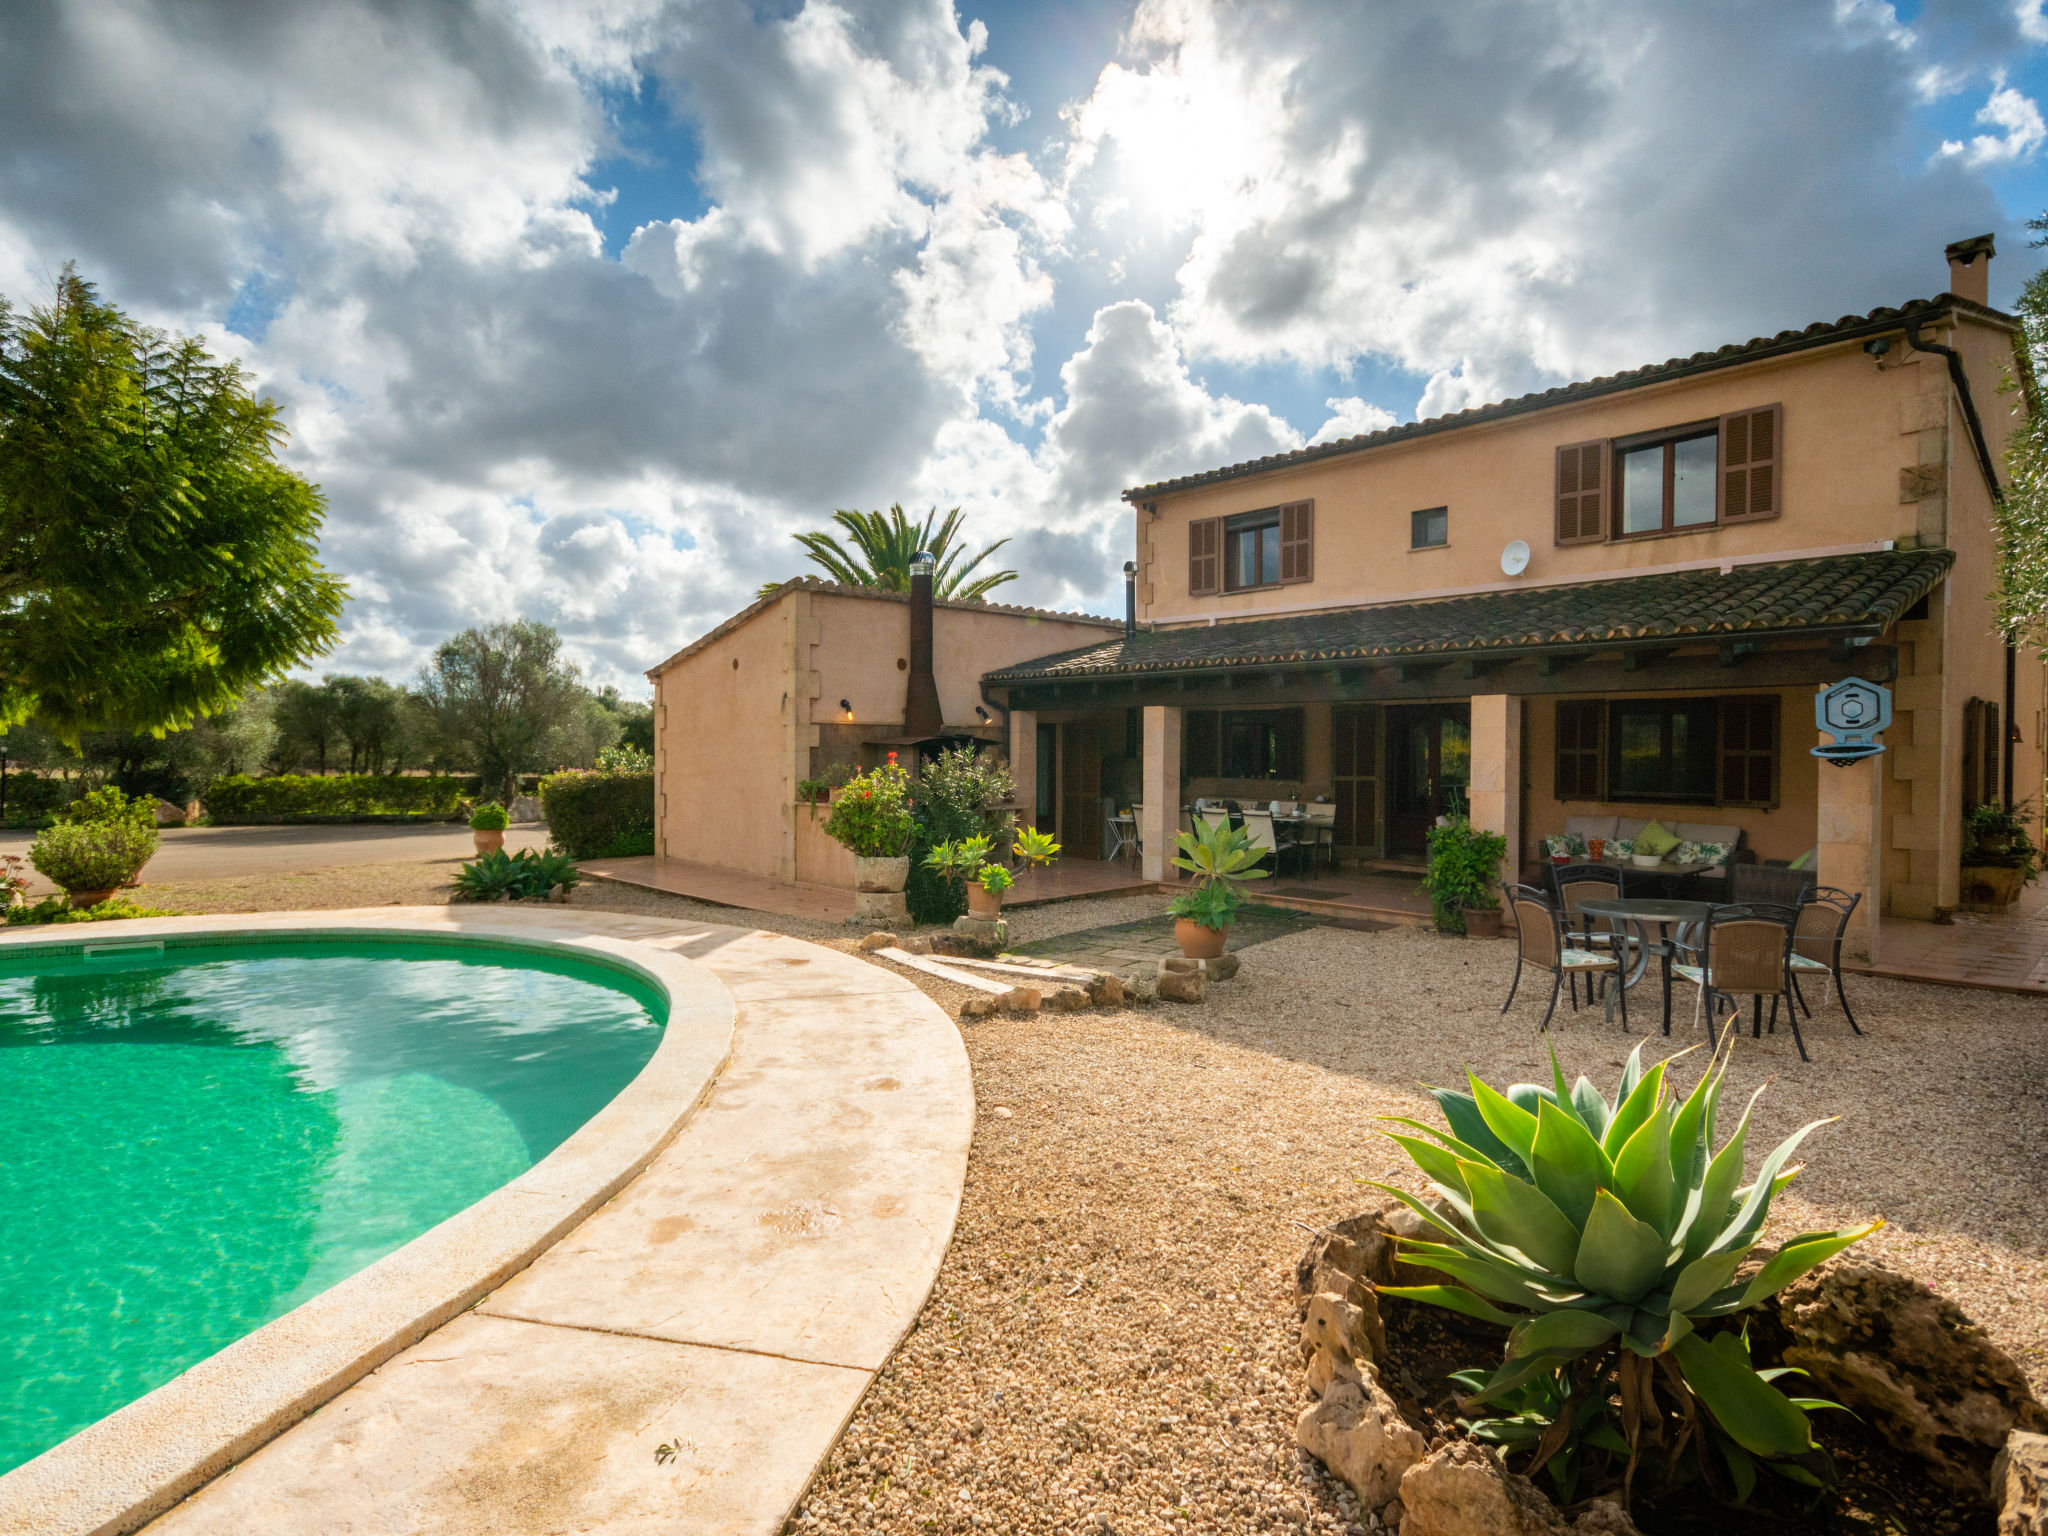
115, 1475
681, 1360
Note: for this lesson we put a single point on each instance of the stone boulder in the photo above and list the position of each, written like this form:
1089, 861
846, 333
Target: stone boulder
1463, 1490
1222, 968
1066, 1000
1359, 1248
875, 941
1183, 986
1356, 1431
2019, 1485
1106, 990
983, 937
1918, 1371
1141, 987
523, 809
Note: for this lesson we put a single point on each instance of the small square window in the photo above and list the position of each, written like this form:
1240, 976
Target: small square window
1429, 528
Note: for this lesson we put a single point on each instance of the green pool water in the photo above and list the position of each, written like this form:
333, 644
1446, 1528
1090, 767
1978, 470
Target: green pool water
194, 1142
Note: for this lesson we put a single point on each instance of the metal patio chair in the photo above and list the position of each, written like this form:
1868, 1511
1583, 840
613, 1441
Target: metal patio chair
1744, 951
1817, 945
1574, 883
1540, 941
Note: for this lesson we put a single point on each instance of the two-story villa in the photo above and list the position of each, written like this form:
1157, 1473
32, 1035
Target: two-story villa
1614, 598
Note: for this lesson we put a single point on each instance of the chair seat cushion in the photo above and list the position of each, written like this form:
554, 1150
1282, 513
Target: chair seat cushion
1808, 963
1691, 973
1583, 960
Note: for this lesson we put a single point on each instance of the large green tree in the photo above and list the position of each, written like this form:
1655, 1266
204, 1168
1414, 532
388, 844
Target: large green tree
879, 546
2022, 584
506, 696
155, 558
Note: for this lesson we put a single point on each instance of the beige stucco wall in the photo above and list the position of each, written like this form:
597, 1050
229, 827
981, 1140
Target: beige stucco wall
1844, 450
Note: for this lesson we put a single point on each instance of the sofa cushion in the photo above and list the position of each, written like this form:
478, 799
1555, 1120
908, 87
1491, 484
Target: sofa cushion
1656, 838
1702, 832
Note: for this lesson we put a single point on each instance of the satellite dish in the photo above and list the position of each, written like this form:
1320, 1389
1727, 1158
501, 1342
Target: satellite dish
1515, 558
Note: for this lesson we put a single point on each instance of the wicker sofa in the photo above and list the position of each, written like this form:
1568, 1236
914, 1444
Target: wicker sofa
1610, 828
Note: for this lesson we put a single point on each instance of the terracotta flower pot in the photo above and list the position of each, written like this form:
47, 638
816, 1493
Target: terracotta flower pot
487, 842
1993, 884
90, 898
983, 903
1481, 922
1198, 941
880, 874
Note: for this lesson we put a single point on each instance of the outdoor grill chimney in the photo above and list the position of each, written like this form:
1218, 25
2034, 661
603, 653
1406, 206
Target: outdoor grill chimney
1130, 598
923, 716
1969, 269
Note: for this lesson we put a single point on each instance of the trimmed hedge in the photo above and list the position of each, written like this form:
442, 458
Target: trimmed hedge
242, 801
597, 815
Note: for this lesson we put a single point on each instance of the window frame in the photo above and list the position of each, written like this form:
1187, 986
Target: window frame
1570, 763
1667, 438
1263, 522
1414, 524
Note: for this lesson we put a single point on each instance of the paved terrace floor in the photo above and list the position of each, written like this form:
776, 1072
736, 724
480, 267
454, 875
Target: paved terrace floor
2004, 950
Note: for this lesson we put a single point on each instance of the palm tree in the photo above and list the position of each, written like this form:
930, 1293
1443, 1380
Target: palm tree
882, 545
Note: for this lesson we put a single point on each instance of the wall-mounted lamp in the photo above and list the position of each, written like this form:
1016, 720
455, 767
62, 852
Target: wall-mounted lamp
983, 713
847, 705
1877, 346
2012, 734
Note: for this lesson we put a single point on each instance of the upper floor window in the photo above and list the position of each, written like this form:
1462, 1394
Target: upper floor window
1699, 476
1271, 547
1429, 528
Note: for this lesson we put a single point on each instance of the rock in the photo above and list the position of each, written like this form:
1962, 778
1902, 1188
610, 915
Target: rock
1356, 1431
2019, 1485
1141, 987
1019, 1000
980, 1006
916, 944
979, 936
1178, 964
1106, 990
1222, 968
1921, 1373
880, 939
1336, 1321
1181, 987
1462, 1490
1326, 1367
1066, 1000
1359, 1248
1604, 1517
169, 815
560, 893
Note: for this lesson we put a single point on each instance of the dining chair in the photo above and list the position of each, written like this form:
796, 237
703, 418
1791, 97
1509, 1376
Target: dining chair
1215, 816
1768, 882
1138, 829
1574, 883
1322, 824
1540, 942
1743, 951
1258, 826
1817, 945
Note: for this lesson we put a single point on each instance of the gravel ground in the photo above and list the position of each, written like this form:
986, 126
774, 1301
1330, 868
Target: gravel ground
1109, 1345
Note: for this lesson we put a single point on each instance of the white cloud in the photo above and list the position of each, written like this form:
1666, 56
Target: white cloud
1352, 417
2018, 120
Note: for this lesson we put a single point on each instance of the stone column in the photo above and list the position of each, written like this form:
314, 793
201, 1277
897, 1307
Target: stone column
1162, 789
1850, 827
1497, 774
1024, 765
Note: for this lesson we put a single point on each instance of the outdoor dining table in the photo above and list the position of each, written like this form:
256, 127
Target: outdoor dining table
1638, 913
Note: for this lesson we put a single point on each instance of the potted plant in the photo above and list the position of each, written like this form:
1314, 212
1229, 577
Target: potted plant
1998, 854
487, 824
966, 859
1221, 858
1464, 864
872, 820
97, 845
985, 895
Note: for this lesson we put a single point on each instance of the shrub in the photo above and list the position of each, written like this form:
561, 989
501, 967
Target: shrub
1611, 1240
490, 817
1464, 863
54, 909
32, 798
240, 800
592, 814
872, 817
523, 876
1996, 838
956, 797
625, 758
1220, 857
93, 855
108, 805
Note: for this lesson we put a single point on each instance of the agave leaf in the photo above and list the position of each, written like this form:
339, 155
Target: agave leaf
1486, 1275
1618, 1256
1560, 1091
1701, 1279
1461, 1113
1650, 1333
1642, 1173
1749, 1220
1510, 1374
1514, 1125
1454, 1298
1567, 1162
1527, 1095
1633, 1111
1689, 1149
1435, 1161
1593, 1110
1740, 1469
1568, 1332
1717, 1190
1463, 1148
1518, 1216
1631, 1073
1799, 1254
1755, 1414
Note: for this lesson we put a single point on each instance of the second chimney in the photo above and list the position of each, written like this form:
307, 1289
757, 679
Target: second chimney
922, 716
1969, 269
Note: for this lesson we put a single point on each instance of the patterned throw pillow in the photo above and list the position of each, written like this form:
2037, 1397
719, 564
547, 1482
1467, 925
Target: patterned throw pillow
1565, 845
1702, 853
1621, 848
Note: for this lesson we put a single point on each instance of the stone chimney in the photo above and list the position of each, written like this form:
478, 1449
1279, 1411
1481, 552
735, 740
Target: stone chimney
1969, 269
922, 716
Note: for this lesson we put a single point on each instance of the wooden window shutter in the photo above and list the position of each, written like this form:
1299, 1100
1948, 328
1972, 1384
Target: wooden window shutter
1973, 753
1298, 542
1582, 491
1290, 756
1205, 557
1993, 753
1579, 755
1752, 463
1749, 750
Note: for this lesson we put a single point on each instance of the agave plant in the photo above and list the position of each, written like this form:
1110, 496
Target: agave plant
1606, 1236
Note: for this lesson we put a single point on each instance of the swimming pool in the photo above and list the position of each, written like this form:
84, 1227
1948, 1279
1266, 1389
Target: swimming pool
195, 1140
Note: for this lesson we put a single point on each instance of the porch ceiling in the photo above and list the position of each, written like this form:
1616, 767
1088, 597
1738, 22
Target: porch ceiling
1840, 597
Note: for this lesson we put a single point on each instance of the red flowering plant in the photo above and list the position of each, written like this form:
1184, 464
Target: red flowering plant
872, 814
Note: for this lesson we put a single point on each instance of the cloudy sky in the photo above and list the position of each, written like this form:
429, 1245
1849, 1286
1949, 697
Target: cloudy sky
578, 310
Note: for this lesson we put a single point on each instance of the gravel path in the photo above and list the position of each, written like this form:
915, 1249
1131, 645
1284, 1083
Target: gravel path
1110, 1343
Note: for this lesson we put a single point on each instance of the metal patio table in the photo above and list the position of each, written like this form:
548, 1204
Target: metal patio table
1638, 913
